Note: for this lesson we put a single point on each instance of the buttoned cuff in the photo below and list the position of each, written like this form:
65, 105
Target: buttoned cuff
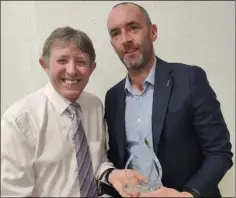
104, 168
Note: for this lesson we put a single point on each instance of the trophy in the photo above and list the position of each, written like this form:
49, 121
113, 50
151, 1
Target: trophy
144, 161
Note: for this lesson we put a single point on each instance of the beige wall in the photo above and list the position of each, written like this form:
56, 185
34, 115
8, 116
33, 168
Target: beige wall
199, 33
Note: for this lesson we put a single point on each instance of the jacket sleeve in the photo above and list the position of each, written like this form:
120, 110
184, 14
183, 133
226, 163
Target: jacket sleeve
212, 134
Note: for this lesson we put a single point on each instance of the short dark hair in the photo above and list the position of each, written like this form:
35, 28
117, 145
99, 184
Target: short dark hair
142, 9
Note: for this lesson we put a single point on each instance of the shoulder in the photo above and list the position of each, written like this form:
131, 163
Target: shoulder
24, 106
116, 89
184, 71
184, 68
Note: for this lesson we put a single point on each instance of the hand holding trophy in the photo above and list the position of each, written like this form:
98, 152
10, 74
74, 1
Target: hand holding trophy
144, 161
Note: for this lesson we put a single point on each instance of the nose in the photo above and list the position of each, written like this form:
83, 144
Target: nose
71, 68
126, 38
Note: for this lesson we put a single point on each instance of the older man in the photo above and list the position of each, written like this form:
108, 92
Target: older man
53, 141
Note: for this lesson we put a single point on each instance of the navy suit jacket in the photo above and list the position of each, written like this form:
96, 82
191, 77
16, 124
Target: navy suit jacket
190, 136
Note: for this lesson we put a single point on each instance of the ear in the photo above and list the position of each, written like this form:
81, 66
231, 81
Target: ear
43, 63
153, 32
93, 66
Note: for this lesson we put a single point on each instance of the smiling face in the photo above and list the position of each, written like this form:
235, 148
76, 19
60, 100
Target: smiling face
131, 35
68, 69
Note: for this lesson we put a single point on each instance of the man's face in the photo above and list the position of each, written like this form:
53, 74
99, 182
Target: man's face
68, 69
131, 35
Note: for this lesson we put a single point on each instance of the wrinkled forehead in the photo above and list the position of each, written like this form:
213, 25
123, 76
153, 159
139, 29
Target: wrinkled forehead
124, 14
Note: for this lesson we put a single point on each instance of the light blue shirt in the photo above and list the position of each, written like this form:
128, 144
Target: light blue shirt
138, 112
138, 125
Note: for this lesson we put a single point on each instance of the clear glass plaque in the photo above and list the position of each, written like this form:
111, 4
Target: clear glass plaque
144, 161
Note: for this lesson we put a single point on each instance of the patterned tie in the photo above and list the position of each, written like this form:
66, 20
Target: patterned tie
88, 185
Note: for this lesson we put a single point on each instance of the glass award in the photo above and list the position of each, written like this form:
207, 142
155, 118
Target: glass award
144, 161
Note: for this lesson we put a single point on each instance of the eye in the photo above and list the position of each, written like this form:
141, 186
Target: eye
62, 61
80, 62
133, 27
114, 34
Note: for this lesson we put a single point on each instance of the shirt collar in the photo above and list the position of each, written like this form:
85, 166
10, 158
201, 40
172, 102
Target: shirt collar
150, 78
59, 102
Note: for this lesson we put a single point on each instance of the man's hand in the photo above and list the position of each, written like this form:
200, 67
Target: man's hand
119, 179
166, 192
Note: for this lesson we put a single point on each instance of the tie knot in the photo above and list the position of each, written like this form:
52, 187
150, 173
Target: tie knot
73, 108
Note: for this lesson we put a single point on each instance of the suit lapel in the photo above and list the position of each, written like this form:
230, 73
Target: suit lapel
120, 121
161, 95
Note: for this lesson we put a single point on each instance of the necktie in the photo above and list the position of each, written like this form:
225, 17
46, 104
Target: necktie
88, 185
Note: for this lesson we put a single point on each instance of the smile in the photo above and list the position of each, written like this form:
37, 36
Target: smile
131, 51
71, 82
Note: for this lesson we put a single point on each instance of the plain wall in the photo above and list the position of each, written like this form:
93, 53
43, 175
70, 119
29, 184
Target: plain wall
196, 33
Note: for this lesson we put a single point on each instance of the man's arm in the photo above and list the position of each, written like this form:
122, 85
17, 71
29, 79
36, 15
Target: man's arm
105, 164
212, 134
105, 186
105, 170
17, 176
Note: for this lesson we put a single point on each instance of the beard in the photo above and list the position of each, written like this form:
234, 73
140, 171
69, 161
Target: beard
136, 61
133, 62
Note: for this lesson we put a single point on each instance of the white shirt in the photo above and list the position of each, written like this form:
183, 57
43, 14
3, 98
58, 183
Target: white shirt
37, 151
